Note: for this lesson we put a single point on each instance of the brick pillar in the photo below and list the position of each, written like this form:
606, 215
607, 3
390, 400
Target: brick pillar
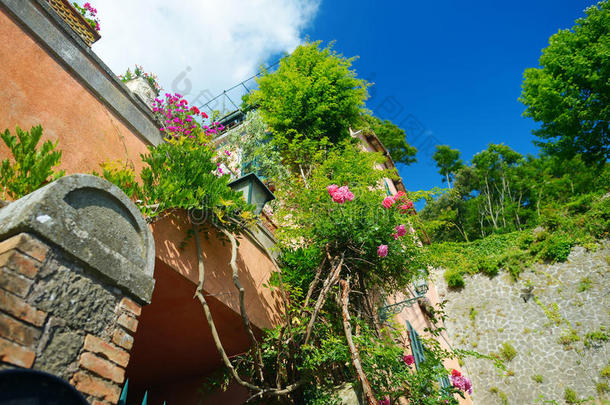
61, 310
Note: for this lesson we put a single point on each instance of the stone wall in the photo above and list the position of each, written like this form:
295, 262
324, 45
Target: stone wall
555, 317
70, 292
56, 317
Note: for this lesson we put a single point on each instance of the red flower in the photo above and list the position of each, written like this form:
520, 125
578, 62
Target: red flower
455, 373
195, 110
408, 359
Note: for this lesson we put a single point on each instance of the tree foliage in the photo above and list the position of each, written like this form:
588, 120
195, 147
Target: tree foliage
393, 138
448, 162
570, 93
314, 93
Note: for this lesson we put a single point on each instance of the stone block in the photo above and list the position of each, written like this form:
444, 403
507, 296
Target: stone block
14, 283
15, 354
102, 367
129, 323
19, 263
108, 350
96, 387
123, 339
131, 306
93, 221
18, 332
20, 309
26, 244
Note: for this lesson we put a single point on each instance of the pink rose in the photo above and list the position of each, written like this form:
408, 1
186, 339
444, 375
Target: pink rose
408, 359
382, 250
332, 189
388, 202
399, 195
401, 230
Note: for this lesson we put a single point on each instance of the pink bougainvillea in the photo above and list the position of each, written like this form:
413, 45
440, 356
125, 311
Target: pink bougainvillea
180, 119
382, 250
340, 194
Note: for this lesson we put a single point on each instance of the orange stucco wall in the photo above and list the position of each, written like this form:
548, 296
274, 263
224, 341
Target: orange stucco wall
36, 89
263, 305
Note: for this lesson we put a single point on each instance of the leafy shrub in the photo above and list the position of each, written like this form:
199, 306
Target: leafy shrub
454, 278
32, 168
507, 351
487, 266
556, 248
514, 262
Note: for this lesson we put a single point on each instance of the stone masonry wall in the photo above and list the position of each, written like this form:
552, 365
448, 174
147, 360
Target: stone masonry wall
557, 318
58, 316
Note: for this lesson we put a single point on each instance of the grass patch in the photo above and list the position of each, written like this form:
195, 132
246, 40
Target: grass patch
508, 351
596, 338
538, 378
570, 396
585, 284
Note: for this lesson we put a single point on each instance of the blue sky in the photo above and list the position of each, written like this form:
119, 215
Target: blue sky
448, 72
451, 70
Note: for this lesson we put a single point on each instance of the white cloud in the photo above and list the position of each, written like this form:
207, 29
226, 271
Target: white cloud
197, 45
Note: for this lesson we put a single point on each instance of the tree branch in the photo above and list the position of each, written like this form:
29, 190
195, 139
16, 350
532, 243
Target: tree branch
343, 301
331, 280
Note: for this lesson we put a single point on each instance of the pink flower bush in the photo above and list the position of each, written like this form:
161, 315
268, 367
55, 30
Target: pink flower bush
340, 194
388, 202
460, 382
408, 359
384, 401
382, 250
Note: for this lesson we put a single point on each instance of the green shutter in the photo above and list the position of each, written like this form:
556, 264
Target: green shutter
416, 346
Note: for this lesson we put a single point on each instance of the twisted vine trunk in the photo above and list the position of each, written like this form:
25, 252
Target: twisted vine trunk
347, 328
259, 390
242, 306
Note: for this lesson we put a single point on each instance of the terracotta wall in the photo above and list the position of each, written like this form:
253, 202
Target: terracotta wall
36, 89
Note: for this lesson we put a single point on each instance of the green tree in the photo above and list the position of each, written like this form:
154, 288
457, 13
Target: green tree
394, 139
570, 93
314, 93
448, 162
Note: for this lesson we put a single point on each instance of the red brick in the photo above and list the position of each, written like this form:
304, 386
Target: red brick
27, 244
17, 355
96, 387
123, 339
108, 350
14, 283
16, 331
128, 322
20, 309
130, 306
20, 263
102, 367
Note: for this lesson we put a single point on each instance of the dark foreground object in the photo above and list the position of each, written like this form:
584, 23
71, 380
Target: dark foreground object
31, 387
